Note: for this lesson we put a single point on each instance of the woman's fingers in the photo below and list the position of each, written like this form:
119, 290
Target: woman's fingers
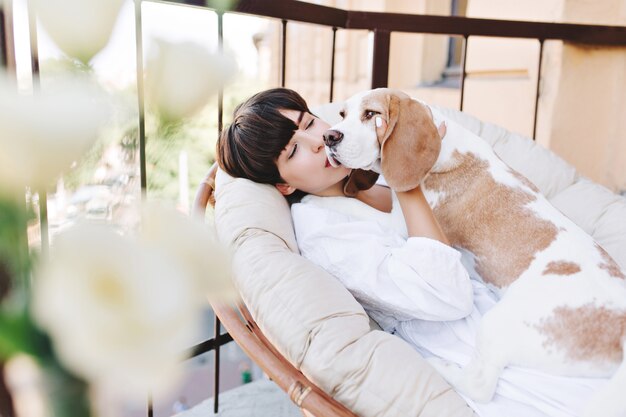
442, 129
381, 125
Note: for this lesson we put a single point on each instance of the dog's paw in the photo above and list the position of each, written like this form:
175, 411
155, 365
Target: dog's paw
476, 382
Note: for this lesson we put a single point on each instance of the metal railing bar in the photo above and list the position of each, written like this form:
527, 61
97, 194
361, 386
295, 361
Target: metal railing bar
332, 65
220, 109
44, 234
283, 52
4, 44
541, 41
465, 26
150, 405
216, 383
220, 91
446, 25
140, 97
380, 59
463, 71
34, 49
295, 11
207, 345
7, 38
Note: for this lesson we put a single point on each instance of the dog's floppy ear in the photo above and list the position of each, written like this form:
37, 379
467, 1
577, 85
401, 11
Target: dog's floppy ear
359, 180
411, 144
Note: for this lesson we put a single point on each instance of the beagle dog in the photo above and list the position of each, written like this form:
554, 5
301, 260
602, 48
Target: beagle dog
562, 306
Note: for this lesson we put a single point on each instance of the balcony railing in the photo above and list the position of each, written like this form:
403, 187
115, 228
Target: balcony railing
381, 24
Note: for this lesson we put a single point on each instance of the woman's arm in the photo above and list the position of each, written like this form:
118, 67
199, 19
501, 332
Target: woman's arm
419, 217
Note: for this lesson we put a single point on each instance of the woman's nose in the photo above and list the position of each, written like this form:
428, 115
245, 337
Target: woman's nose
317, 143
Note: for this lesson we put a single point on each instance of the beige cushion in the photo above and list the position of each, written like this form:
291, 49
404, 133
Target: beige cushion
317, 324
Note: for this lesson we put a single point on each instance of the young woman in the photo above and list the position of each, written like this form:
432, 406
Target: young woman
392, 256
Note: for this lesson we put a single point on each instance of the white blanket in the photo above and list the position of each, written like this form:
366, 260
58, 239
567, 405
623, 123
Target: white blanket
418, 289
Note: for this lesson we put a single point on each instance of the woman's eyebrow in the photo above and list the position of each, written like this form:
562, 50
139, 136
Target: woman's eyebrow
300, 117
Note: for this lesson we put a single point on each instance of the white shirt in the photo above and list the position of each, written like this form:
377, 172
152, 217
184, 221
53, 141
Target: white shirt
419, 289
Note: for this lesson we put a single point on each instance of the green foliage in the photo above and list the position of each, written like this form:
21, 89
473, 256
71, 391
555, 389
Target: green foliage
18, 334
63, 66
165, 141
17, 331
123, 132
14, 257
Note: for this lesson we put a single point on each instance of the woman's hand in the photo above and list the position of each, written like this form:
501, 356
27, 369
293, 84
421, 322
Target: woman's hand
442, 129
419, 217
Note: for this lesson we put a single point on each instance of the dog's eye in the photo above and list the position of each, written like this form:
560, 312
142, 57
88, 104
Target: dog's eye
342, 114
369, 114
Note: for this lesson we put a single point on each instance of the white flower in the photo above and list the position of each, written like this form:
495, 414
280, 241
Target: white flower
182, 77
80, 28
119, 313
42, 134
195, 245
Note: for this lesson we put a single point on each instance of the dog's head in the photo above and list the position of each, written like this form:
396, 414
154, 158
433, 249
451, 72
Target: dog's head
404, 153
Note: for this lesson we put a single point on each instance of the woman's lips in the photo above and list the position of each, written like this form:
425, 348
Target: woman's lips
331, 161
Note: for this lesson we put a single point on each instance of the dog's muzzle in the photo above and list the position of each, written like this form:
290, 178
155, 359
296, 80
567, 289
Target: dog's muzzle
332, 138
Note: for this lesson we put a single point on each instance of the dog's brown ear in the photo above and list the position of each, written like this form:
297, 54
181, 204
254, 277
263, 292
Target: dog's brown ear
359, 180
411, 144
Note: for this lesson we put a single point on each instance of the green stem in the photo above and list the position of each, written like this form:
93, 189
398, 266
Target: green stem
68, 396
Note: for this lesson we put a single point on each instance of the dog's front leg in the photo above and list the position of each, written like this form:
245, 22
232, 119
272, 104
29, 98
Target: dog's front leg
478, 380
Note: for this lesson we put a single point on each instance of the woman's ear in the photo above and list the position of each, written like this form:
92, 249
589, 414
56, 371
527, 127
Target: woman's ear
285, 189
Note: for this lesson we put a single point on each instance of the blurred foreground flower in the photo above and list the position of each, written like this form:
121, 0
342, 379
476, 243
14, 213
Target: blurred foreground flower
182, 77
195, 244
120, 309
42, 134
80, 28
115, 311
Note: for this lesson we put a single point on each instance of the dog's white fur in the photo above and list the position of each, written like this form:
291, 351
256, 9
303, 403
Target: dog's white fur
523, 328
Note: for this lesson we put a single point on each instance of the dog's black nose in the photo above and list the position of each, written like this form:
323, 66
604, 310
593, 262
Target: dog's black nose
332, 137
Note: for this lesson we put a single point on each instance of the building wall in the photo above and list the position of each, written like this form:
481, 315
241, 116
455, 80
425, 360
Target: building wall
589, 118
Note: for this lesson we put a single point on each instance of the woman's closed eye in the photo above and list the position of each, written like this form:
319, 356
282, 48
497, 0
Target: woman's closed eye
310, 123
294, 148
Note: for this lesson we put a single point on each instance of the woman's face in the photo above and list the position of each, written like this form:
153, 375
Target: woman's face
303, 163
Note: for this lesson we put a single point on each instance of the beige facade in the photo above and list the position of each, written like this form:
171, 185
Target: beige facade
582, 102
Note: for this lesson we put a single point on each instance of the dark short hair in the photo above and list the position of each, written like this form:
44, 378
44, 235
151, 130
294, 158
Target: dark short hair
250, 146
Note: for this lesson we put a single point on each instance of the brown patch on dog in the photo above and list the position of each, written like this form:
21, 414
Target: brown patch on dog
609, 264
561, 268
586, 333
489, 219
